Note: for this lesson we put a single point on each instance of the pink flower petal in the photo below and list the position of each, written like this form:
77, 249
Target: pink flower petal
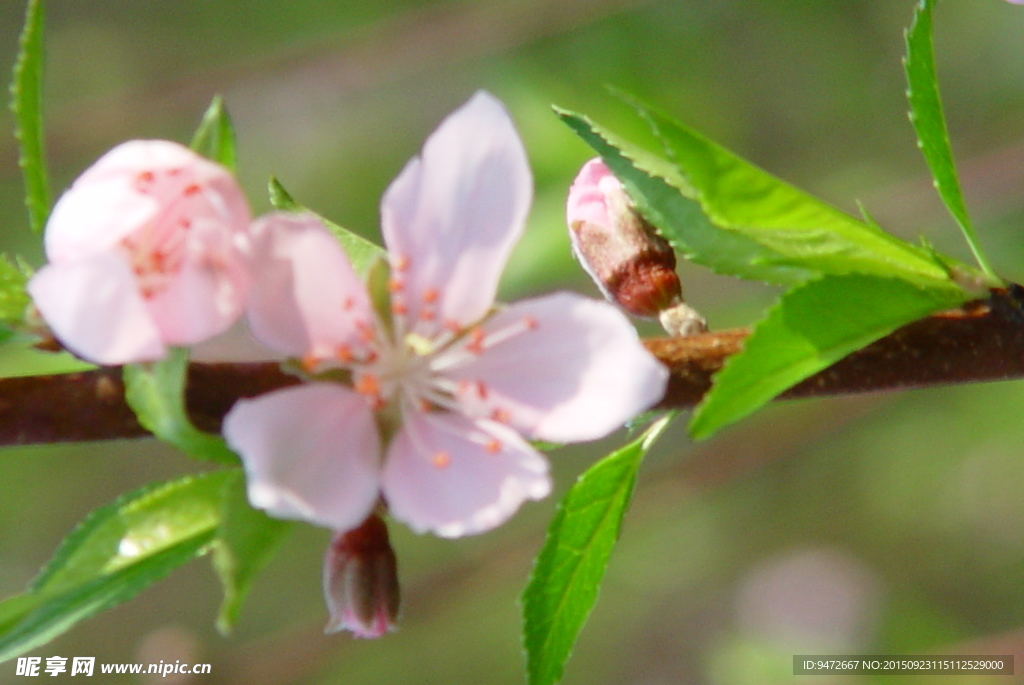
587, 200
93, 218
178, 226
94, 308
134, 154
306, 299
451, 218
235, 345
561, 367
137, 186
206, 295
453, 477
197, 304
310, 452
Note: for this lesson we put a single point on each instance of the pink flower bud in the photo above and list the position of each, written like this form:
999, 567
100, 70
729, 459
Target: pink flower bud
361, 581
146, 249
632, 265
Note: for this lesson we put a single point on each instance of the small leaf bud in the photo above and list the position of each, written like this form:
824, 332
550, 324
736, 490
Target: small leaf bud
361, 581
633, 266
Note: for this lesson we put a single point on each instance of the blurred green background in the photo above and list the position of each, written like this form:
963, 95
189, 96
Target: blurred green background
876, 524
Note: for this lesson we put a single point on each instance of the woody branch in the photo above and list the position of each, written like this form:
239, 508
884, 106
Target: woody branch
982, 341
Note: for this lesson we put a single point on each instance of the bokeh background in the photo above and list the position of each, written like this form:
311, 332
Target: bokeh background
889, 524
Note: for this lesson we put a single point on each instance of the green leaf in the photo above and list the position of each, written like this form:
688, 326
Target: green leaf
736, 194
930, 123
567, 574
663, 197
156, 393
809, 329
18, 357
280, 198
14, 300
787, 235
215, 137
246, 538
27, 106
361, 252
18, 354
115, 552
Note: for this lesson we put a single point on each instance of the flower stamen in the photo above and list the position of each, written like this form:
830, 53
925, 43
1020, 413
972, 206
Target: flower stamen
437, 398
310, 362
366, 331
478, 388
477, 337
523, 325
369, 385
478, 341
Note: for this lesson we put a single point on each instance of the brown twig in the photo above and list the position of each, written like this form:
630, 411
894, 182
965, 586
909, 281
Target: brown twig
983, 341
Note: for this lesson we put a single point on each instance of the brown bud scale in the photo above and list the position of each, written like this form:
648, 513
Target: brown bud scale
631, 264
646, 285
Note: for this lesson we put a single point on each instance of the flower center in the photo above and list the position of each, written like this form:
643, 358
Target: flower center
420, 369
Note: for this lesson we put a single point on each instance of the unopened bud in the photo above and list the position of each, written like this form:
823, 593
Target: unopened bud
632, 265
361, 581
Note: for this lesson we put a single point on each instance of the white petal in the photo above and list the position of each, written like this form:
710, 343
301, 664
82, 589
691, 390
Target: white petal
571, 369
306, 299
454, 477
95, 309
451, 218
310, 452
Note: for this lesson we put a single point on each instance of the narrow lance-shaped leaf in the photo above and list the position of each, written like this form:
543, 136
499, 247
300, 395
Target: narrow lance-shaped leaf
567, 574
156, 393
810, 328
724, 212
360, 251
19, 357
666, 200
246, 539
27, 106
930, 123
215, 137
114, 553
806, 231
